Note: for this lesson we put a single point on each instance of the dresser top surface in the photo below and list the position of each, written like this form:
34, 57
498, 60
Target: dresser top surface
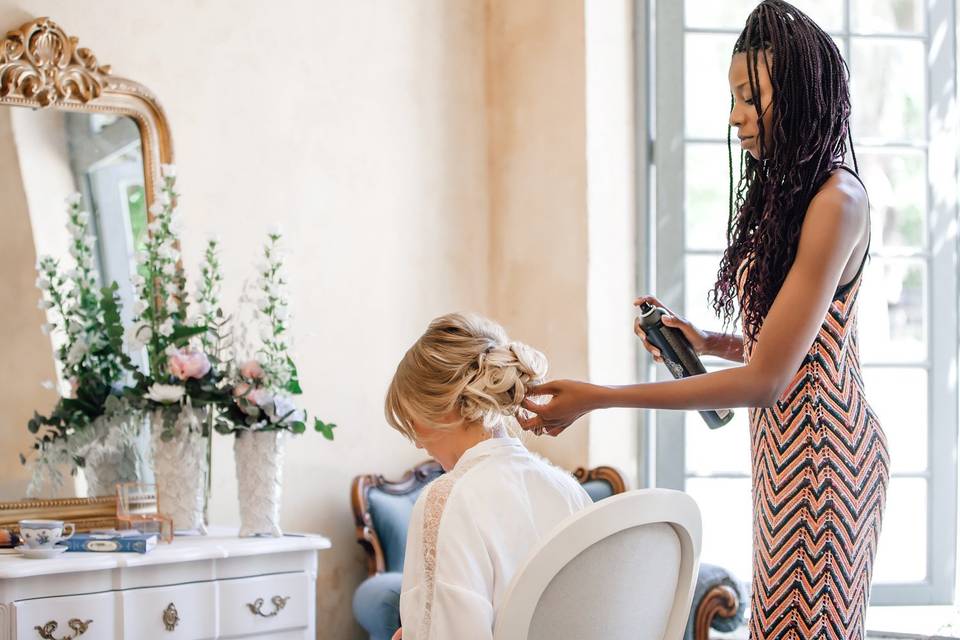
220, 543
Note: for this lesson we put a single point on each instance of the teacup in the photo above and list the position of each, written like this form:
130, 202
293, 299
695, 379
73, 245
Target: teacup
41, 534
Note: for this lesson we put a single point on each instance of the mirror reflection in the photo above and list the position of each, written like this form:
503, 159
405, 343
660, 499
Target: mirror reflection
46, 155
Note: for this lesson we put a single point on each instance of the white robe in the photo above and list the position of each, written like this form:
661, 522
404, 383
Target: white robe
471, 530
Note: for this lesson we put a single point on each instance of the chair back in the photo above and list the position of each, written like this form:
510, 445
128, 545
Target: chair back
623, 568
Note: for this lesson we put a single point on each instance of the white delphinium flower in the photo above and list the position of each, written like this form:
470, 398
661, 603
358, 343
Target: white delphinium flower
168, 170
266, 333
74, 199
176, 224
77, 351
284, 409
166, 328
138, 335
166, 393
76, 231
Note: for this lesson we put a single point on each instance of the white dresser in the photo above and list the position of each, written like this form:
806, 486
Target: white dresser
215, 586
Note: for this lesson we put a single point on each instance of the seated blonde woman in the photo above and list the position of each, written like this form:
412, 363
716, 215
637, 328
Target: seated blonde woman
455, 394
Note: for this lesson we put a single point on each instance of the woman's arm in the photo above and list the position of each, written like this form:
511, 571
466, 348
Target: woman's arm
832, 228
728, 346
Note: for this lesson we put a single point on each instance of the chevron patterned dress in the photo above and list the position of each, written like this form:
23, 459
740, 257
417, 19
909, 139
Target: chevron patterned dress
820, 474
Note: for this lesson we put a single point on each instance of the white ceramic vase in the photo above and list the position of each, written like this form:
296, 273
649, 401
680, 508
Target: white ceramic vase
259, 459
180, 468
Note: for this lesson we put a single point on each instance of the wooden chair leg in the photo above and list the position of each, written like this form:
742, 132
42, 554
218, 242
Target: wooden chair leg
721, 600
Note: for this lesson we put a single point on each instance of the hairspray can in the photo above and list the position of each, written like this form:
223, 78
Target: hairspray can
678, 355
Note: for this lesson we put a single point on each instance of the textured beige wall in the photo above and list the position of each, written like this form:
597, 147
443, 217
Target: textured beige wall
25, 359
421, 156
536, 101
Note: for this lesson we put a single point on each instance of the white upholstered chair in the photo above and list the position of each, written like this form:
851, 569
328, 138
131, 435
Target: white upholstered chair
624, 567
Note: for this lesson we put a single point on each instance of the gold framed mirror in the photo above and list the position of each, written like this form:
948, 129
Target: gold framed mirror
67, 124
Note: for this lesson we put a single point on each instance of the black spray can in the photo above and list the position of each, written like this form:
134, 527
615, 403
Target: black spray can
678, 355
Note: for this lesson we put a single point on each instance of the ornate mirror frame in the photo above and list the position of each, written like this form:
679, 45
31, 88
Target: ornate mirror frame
41, 67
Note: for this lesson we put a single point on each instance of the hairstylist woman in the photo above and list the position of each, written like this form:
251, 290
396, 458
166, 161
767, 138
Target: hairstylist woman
798, 237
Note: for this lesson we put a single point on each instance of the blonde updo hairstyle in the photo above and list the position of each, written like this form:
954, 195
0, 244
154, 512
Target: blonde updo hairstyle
464, 364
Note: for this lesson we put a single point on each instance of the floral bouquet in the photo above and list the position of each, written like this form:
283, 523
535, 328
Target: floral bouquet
183, 388
181, 372
263, 386
264, 383
90, 426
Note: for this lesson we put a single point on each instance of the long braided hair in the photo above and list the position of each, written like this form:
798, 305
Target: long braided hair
810, 121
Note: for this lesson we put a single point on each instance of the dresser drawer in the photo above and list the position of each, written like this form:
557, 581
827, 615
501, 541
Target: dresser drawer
181, 612
90, 617
266, 604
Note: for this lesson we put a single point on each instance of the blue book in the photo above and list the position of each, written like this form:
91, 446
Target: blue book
111, 543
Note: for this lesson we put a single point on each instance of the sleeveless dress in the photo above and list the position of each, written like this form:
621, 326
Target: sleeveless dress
820, 469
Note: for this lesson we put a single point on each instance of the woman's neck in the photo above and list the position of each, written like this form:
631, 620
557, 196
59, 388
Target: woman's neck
471, 437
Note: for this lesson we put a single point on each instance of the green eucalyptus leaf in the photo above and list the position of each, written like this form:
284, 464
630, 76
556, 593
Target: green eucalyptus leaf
294, 375
324, 428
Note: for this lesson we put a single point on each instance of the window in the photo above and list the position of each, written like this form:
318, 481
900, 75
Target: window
902, 63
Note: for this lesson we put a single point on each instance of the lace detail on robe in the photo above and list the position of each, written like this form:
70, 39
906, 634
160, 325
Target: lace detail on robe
437, 493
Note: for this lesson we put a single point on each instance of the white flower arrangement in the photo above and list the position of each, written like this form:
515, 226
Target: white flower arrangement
265, 380
182, 371
84, 323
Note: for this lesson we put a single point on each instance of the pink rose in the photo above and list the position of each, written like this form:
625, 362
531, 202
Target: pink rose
186, 363
251, 370
241, 390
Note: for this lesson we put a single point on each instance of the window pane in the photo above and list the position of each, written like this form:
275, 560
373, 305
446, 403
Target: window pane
707, 194
893, 311
732, 14
902, 551
899, 398
897, 186
884, 109
701, 273
886, 16
727, 512
707, 85
723, 450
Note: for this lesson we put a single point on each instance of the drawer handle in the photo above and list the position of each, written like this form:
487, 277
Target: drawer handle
170, 617
256, 607
79, 628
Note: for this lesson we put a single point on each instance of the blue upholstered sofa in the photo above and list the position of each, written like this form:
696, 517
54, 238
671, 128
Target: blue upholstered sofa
382, 511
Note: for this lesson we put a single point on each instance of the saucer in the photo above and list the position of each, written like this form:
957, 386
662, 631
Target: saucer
42, 553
